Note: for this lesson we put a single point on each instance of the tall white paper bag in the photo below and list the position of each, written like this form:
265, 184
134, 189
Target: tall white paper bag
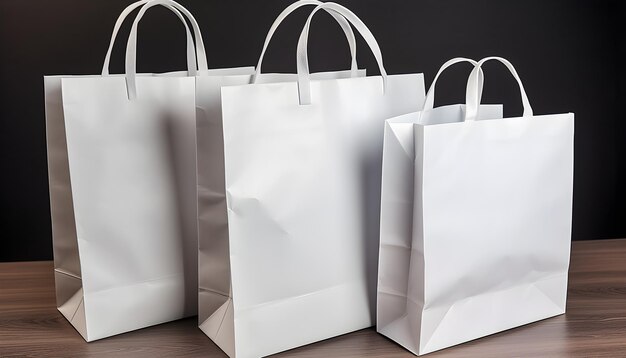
302, 161
122, 188
213, 260
475, 220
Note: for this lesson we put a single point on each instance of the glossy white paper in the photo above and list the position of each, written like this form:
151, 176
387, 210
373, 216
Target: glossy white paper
475, 222
303, 195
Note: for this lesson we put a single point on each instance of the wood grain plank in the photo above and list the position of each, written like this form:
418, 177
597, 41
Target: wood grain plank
594, 326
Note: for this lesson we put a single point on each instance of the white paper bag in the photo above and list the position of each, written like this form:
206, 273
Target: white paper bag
122, 186
302, 193
213, 260
475, 220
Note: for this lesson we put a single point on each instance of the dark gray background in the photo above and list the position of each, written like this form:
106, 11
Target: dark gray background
568, 53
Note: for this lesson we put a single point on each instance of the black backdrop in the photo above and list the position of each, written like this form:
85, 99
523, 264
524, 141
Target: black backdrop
567, 52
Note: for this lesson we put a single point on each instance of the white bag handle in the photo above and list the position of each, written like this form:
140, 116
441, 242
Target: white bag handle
475, 90
131, 46
345, 26
304, 77
430, 96
191, 49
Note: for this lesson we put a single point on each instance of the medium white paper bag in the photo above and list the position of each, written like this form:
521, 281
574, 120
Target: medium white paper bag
475, 220
122, 175
302, 194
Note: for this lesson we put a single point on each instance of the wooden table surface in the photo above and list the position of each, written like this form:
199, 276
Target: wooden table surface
594, 325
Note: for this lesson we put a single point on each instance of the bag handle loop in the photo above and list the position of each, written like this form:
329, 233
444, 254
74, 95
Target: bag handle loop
475, 89
191, 48
131, 45
429, 102
304, 77
345, 26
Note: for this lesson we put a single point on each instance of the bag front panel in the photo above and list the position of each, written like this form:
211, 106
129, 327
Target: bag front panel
497, 199
131, 165
214, 257
303, 194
